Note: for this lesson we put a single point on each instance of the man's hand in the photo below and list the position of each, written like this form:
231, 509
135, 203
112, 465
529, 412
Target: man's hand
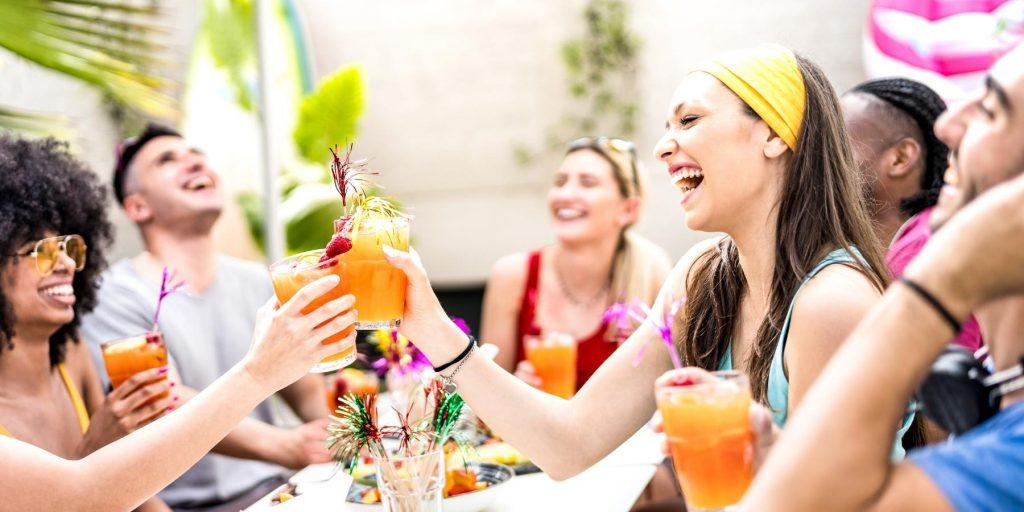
976, 257
301, 446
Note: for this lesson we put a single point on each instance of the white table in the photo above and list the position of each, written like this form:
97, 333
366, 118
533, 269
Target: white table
611, 485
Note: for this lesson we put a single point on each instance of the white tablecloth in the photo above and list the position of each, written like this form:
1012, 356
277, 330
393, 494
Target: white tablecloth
611, 485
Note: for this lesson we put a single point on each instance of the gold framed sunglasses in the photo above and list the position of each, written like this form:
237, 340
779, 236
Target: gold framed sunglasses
620, 146
48, 250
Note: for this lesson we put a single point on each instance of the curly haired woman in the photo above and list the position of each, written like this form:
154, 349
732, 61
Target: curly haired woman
53, 231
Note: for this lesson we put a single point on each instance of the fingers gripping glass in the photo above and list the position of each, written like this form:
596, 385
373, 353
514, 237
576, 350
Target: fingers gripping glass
47, 252
620, 146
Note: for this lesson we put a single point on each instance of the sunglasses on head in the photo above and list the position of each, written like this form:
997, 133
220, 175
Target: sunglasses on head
623, 147
48, 250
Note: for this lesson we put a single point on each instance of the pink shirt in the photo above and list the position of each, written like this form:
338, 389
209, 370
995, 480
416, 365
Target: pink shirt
908, 242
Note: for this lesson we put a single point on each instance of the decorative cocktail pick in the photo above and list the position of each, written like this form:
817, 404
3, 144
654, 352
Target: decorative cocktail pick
349, 176
167, 287
626, 316
353, 428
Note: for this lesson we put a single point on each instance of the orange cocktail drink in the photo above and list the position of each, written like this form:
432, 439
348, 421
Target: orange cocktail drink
129, 356
553, 357
379, 287
708, 430
291, 274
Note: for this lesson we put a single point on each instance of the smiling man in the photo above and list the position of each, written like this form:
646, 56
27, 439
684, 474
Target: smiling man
168, 190
833, 455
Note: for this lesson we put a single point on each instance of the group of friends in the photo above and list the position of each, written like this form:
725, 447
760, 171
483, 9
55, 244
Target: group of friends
798, 291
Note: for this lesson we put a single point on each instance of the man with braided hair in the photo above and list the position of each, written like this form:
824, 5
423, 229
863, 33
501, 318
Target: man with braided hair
890, 121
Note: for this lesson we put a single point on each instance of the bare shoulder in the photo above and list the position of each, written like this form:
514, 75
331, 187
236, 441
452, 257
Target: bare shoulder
509, 272
692, 256
837, 292
675, 283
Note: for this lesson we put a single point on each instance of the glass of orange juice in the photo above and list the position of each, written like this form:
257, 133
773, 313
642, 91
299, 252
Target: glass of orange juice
378, 286
291, 274
127, 356
553, 357
708, 430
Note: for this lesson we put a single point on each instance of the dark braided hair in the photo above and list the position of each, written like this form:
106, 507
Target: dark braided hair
43, 188
905, 97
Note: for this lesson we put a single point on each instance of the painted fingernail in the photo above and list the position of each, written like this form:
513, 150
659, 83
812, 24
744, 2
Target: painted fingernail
173, 384
171, 408
163, 370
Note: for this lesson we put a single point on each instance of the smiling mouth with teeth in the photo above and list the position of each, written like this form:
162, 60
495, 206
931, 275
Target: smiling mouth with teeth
199, 183
59, 290
568, 214
687, 179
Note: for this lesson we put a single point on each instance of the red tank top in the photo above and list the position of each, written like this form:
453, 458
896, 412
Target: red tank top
591, 351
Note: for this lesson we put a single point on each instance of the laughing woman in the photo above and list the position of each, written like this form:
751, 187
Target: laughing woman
52, 223
755, 141
596, 197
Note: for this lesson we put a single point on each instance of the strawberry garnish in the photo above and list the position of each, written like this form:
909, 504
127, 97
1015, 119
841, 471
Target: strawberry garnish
337, 246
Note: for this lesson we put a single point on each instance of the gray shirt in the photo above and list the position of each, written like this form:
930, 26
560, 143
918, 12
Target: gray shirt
206, 334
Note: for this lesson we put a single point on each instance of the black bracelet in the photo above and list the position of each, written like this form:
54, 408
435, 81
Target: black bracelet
469, 346
930, 299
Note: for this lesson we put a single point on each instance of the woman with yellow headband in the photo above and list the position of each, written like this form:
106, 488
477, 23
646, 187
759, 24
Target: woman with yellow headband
756, 144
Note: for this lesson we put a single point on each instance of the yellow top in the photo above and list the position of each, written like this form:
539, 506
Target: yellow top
76, 400
768, 78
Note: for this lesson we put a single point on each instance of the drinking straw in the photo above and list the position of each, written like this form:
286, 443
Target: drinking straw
167, 287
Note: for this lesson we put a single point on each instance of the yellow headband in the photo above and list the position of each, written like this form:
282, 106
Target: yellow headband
768, 79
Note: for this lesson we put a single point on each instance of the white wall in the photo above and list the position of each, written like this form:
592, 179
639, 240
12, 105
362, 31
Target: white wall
25, 86
454, 85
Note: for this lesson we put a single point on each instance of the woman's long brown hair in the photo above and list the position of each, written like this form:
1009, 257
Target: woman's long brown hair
820, 209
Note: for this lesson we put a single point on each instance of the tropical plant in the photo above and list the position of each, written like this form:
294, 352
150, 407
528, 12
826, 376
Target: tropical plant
309, 203
601, 74
109, 44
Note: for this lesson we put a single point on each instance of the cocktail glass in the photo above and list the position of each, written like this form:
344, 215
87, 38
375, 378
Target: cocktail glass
378, 286
411, 483
553, 357
708, 430
135, 354
291, 274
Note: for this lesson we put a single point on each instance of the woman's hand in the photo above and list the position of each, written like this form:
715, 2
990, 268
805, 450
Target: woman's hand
287, 343
425, 321
131, 406
527, 374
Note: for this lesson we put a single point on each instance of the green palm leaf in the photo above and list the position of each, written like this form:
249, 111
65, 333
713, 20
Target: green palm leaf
328, 115
34, 124
107, 43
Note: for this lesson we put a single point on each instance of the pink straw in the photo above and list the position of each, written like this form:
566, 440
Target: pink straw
166, 288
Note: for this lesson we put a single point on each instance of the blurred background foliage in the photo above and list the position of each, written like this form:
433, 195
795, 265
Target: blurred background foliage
600, 69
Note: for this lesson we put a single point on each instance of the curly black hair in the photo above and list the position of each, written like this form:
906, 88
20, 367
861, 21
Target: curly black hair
905, 97
44, 188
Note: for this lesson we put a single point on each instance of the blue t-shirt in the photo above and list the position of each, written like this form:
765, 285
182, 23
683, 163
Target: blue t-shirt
982, 470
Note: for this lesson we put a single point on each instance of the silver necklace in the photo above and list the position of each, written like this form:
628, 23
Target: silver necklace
585, 302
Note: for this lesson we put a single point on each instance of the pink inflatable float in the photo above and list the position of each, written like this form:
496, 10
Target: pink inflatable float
947, 44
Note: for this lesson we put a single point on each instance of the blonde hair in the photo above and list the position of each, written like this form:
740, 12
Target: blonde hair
636, 258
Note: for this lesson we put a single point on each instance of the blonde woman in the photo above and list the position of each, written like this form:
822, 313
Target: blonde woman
595, 199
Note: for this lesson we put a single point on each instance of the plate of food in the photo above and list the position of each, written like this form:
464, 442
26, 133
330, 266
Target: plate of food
470, 488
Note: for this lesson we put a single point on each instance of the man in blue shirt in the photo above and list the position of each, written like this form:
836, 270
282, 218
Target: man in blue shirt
834, 453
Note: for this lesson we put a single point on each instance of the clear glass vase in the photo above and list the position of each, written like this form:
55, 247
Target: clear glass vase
411, 483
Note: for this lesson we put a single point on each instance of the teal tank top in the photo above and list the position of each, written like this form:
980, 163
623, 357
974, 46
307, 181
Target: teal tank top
778, 384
